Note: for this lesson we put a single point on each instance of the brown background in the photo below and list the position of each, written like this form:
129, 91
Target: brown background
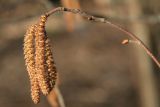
95, 70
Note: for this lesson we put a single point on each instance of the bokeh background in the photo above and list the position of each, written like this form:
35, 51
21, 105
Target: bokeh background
95, 69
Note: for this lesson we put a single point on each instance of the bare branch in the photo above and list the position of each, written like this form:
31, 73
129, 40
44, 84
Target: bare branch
103, 20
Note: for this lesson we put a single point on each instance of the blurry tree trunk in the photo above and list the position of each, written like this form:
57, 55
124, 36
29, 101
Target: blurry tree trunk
104, 7
147, 88
71, 20
146, 84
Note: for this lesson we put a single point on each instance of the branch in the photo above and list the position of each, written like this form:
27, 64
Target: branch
55, 98
60, 97
103, 20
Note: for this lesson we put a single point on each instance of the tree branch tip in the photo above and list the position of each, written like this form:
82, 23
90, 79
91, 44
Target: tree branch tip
125, 41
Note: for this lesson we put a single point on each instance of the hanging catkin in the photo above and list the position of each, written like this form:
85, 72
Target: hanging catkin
40, 56
51, 68
30, 63
39, 60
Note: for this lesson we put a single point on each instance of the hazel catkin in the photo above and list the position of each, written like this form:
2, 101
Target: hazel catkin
40, 56
51, 68
30, 63
39, 60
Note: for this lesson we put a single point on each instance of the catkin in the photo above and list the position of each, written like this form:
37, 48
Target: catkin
35, 91
51, 68
40, 56
39, 60
30, 63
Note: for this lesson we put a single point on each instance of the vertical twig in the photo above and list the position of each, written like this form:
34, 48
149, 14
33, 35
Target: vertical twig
55, 98
60, 97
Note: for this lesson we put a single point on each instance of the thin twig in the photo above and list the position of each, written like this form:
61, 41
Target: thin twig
103, 20
55, 98
60, 97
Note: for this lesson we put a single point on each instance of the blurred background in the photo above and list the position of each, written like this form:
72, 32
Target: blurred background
95, 69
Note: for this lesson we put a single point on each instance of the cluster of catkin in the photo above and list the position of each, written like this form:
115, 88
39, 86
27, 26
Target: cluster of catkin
39, 60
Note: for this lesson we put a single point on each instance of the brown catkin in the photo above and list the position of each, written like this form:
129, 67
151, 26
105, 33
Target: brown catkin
35, 91
39, 60
30, 63
40, 56
51, 68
